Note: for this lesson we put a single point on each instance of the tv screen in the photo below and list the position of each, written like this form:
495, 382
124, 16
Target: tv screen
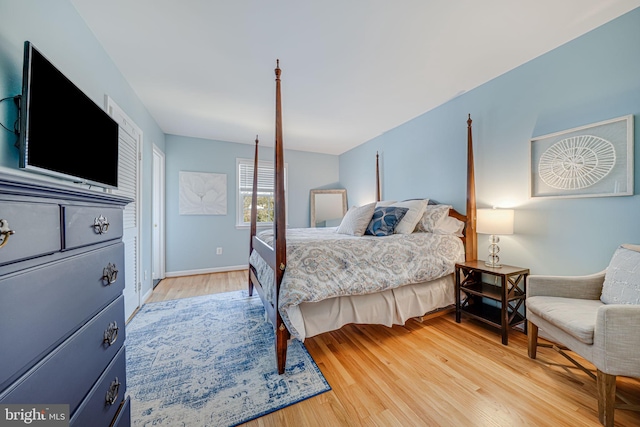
64, 133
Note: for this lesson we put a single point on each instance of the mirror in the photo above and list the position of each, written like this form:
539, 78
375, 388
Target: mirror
328, 207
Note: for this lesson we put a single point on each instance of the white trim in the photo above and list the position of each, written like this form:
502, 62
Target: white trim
160, 272
145, 297
259, 226
206, 271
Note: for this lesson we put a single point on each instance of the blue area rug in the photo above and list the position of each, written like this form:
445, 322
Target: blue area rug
210, 361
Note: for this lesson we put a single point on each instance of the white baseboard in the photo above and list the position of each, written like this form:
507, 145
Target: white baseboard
146, 296
206, 271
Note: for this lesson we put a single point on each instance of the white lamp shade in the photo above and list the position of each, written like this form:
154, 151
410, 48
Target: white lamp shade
494, 221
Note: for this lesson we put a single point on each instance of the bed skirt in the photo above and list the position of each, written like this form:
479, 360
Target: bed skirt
391, 307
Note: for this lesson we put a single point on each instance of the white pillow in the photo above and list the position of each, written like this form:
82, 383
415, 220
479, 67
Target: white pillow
621, 280
413, 215
432, 217
384, 203
449, 225
356, 220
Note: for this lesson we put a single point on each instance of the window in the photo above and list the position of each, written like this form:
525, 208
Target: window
266, 194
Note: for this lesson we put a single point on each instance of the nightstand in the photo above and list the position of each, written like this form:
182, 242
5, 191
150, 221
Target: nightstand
492, 295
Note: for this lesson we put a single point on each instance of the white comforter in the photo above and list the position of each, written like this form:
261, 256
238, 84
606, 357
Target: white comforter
323, 264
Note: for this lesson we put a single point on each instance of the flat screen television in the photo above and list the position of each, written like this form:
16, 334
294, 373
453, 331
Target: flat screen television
63, 133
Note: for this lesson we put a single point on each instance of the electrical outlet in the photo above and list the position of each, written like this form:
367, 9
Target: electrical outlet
218, 251
145, 275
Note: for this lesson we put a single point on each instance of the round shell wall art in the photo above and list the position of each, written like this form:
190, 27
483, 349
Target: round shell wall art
577, 162
595, 160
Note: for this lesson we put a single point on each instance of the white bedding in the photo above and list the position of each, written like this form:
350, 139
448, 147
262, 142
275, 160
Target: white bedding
322, 264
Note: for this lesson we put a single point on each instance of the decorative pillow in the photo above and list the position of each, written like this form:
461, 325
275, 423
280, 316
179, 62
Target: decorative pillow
622, 279
385, 220
412, 217
356, 220
449, 225
432, 217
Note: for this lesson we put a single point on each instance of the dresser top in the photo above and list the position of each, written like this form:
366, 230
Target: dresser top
27, 186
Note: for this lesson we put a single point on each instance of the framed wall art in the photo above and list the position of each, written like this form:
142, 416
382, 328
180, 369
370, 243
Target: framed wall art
203, 193
595, 160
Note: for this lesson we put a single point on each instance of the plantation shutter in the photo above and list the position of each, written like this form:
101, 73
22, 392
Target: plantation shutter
129, 159
128, 176
266, 190
265, 177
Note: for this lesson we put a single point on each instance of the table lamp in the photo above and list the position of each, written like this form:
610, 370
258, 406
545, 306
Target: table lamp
494, 222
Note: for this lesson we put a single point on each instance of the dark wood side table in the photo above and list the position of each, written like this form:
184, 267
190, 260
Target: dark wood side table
507, 289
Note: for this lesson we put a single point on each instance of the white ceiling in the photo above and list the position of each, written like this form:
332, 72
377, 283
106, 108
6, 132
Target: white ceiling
351, 69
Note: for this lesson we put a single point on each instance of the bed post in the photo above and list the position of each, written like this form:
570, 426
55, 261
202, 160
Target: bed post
377, 178
254, 209
279, 232
471, 236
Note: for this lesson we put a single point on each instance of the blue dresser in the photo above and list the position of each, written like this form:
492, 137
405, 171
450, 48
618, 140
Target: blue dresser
61, 305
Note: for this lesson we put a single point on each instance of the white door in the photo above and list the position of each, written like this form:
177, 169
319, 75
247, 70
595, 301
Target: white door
129, 172
157, 236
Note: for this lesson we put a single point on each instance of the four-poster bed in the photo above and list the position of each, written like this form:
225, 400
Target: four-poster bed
409, 275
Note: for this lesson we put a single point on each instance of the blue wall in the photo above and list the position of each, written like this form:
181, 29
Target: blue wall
192, 239
55, 27
590, 79
58, 31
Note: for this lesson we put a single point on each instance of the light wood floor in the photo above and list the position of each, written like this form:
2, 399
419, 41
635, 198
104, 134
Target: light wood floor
436, 373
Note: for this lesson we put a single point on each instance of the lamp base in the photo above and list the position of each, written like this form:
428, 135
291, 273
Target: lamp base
490, 264
493, 260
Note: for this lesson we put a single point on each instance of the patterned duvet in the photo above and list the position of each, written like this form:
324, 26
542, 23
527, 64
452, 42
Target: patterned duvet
323, 264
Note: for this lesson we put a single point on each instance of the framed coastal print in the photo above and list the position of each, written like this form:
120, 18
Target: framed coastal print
203, 193
588, 161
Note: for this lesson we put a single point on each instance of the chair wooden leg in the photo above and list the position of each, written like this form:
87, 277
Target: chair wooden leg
532, 339
606, 398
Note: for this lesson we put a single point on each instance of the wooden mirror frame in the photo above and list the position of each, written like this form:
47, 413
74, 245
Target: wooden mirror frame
314, 193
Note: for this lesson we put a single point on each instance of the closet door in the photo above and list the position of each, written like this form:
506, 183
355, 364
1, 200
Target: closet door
129, 173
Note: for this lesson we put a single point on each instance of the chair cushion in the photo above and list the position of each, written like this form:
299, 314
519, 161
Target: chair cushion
576, 317
622, 279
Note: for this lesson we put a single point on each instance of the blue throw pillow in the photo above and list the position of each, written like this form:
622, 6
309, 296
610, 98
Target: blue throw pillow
385, 219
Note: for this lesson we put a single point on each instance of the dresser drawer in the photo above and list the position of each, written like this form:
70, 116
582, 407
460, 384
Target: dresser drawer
66, 374
124, 415
42, 306
86, 225
96, 410
36, 229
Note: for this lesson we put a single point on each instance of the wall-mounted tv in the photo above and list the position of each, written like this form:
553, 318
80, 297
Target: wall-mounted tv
63, 133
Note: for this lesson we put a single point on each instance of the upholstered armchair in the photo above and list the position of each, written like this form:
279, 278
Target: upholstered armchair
596, 316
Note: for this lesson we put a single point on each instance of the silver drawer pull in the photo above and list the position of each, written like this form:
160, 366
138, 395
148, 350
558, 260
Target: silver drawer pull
5, 232
111, 333
110, 274
112, 393
101, 225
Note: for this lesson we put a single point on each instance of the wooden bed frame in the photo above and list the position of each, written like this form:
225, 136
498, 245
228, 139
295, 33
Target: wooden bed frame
276, 256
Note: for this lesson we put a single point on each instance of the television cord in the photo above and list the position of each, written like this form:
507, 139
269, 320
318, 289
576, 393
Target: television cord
16, 99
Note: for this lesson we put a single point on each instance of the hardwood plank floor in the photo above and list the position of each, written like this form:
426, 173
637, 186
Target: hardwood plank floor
200, 284
436, 373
